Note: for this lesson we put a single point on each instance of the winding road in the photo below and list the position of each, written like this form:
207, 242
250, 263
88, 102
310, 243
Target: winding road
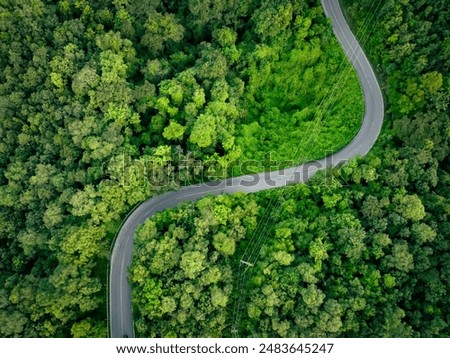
120, 313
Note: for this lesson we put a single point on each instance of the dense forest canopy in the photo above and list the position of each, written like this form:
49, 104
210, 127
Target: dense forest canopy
362, 251
90, 87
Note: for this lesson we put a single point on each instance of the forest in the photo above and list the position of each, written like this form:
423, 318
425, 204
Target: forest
86, 85
360, 251
96, 94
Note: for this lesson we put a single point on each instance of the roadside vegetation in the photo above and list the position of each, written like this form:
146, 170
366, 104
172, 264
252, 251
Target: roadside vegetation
363, 251
303, 99
94, 95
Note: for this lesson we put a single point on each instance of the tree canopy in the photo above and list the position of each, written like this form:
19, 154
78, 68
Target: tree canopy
360, 251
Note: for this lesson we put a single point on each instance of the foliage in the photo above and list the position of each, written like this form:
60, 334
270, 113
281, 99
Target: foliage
304, 86
102, 101
102, 105
363, 250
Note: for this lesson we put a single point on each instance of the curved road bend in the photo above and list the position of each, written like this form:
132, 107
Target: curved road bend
120, 309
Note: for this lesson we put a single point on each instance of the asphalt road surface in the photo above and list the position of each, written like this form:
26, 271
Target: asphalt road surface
120, 313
